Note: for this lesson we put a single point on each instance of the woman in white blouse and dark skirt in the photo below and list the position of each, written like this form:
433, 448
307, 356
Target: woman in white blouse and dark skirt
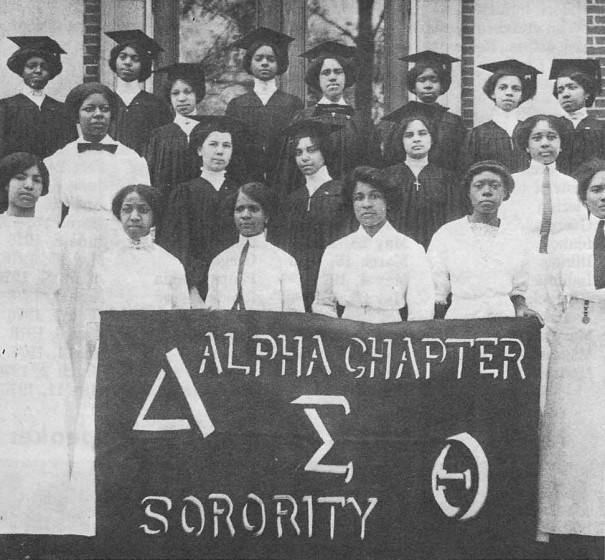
376, 271
572, 492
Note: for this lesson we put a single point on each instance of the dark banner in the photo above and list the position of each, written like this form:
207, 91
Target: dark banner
275, 435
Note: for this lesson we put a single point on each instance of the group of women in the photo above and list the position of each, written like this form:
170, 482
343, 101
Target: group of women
274, 207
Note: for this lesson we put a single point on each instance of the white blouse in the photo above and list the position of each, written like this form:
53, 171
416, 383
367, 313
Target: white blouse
482, 268
89, 180
270, 280
141, 276
374, 277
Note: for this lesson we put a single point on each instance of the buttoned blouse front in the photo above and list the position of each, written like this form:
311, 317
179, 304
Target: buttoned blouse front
270, 280
374, 277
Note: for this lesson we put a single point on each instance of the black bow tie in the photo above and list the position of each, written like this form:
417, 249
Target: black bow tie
84, 147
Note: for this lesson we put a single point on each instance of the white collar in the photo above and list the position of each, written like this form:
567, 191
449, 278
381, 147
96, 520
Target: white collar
538, 167
325, 101
143, 243
577, 116
215, 178
264, 90
417, 165
594, 222
385, 232
313, 182
507, 121
105, 140
255, 240
185, 123
36, 95
127, 90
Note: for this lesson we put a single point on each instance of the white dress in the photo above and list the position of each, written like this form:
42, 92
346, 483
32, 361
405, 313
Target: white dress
374, 277
86, 183
572, 466
523, 210
130, 277
270, 279
36, 390
481, 266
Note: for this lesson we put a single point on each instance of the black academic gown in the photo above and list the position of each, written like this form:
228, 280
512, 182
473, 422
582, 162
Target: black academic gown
40, 131
306, 226
448, 136
134, 123
425, 204
580, 144
170, 159
265, 123
490, 141
356, 143
198, 225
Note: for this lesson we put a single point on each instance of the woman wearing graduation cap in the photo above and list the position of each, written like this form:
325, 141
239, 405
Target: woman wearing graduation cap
313, 215
430, 78
511, 84
84, 177
266, 109
139, 112
31, 121
168, 153
198, 224
356, 141
577, 83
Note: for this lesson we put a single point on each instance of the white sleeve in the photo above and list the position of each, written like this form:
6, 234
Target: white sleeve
180, 292
437, 255
420, 294
325, 298
291, 291
50, 206
212, 301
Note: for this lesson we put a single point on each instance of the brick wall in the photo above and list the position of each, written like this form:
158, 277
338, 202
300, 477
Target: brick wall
595, 46
468, 61
92, 39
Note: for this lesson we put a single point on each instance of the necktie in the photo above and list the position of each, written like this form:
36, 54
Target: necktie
239, 300
546, 212
86, 146
599, 257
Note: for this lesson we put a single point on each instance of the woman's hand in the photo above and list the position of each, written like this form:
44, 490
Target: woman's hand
521, 309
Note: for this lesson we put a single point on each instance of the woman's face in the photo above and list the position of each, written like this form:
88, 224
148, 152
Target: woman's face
571, 95
416, 140
128, 65
370, 207
25, 188
36, 73
263, 65
507, 93
308, 156
487, 192
595, 196
95, 116
332, 79
428, 86
183, 98
544, 143
250, 218
216, 151
136, 216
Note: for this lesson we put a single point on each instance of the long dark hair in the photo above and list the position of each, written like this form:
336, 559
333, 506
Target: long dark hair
16, 163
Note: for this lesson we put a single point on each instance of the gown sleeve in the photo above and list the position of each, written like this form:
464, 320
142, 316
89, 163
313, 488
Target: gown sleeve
50, 206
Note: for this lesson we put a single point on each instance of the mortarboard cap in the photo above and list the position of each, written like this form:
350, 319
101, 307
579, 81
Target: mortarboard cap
431, 58
186, 70
566, 66
315, 127
414, 109
511, 67
330, 48
280, 40
210, 122
48, 48
39, 42
135, 36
